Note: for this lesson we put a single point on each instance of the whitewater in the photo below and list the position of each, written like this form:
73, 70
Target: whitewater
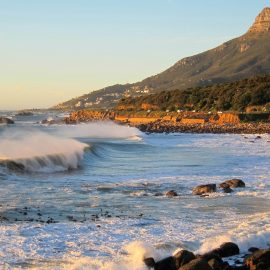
84, 196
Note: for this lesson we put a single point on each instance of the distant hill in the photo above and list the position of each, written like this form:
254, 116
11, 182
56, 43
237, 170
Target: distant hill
236, 59
251, 94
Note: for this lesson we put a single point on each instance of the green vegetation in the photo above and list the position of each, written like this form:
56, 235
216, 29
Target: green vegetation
249, 94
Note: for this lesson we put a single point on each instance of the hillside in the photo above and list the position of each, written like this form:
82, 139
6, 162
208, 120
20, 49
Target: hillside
236, 59
247, 94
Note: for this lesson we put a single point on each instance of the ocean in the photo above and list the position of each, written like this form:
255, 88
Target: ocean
89, 196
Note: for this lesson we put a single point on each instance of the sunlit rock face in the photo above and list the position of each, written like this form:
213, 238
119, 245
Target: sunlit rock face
262, 22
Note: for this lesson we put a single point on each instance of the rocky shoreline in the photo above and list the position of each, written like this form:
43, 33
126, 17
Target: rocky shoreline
186, 122
169, 127
225, 257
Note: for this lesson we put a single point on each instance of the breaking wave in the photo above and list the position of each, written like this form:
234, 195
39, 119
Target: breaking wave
36, 151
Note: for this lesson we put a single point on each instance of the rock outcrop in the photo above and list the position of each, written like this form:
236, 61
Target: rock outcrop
233, 183
259, 260
262, 22
203, 189
4, 120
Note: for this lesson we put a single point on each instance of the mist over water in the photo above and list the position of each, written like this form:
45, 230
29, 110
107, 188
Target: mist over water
86, 197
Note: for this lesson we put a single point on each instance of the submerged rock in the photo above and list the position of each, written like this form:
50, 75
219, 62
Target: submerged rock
233, 183
202, 189
171, 193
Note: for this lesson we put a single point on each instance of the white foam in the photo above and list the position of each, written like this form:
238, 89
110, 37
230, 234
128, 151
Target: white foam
39, 151
100, 130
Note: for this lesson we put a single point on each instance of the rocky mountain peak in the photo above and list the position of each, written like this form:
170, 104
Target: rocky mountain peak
262, 22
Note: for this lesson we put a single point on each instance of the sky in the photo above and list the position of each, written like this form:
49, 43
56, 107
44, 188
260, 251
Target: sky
54, 50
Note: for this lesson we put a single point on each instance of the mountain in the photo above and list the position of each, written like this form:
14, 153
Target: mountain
236, 59
252, 94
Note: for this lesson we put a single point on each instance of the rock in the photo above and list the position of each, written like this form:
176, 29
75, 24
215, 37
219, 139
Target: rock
253, 249
197, 264
216, 264
259, 260
5, 120
227, 190
227, 250
183, 257
202, 189
210, 255
171, 193
262, 22
158, 194
149, 262
233, 183
24, 113
166, 264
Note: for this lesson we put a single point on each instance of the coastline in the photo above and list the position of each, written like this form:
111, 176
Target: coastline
241, 128
186, 122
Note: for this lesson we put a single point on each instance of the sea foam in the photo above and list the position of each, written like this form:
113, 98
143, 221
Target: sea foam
33, 150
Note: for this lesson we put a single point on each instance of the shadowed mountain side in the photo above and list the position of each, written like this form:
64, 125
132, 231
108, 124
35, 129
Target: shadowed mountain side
236, 59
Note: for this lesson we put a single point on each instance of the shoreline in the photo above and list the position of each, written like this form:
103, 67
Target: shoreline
170, 123
168, 127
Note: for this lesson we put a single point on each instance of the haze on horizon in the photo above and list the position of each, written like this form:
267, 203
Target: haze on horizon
52, 51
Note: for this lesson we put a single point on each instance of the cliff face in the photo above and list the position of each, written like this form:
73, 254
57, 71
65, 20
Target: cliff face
262, 22
240, 58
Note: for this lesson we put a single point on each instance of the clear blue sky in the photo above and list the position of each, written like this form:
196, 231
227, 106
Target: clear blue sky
53, 50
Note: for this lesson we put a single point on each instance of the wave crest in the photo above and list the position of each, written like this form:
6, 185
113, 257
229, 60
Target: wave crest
37, 151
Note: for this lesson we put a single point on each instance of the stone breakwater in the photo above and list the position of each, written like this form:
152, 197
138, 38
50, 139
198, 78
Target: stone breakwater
186, 122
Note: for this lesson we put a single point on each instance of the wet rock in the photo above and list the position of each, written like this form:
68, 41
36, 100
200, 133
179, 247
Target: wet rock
197, 264
158, 194
183, 257
210, 255
253, 249
233, 183
227, 189
24, 113
149, 262
216, 264
227, 250
202, 189
259, 260
166, 264
5, 120
171, 193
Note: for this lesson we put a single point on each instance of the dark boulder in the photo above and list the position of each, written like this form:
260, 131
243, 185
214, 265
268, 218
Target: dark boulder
227, 249
259, 260
183, 257
149, 262
227, 190
216, 264
5, 120
253, 249
202, 189
171, 193
197, 264
210, 255
233, 183
166, 264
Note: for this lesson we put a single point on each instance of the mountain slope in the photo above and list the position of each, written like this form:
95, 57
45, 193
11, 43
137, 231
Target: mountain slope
237, 59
